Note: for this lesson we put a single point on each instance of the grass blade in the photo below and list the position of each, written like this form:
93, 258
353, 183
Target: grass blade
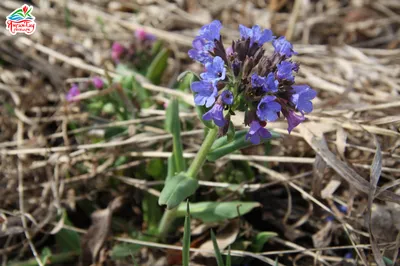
228, 257
186, 238
218, 255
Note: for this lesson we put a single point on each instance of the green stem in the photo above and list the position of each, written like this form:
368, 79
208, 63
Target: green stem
54, 259
166, 222
202, 154
170, 215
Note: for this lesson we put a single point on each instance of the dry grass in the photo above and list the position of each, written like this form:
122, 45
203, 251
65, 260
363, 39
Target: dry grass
349, 52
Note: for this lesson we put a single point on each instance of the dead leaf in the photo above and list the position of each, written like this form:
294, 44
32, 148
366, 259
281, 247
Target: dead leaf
98, 232
225, 237
323, 237
341, 137
375, 174
319, 167
318, 143
330, 188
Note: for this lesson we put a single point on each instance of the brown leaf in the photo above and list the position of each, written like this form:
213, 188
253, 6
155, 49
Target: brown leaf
323, 237
225, 237
318, 143
98, 232
375, 174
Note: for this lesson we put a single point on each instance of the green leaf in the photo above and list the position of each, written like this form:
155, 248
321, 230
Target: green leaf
186, 238
185, 79
260, 239
151, 213
201, 110
177, 188
230, 135
45, 255
158, 66
120, 251
228, 257
218, 254
222, 146
68, 240
210, 212
155, 49
155, 168
173, 126
171, 166
113, 132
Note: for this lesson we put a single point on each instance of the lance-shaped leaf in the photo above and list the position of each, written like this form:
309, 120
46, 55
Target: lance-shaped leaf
210, 212
173, 126
158, 66
176, 189
222, 146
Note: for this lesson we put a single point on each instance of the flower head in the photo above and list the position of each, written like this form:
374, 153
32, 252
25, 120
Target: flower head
227, 97
205, 92
268, 109
117, 50
302, 97
98, 82
215, 70
255, 34
283, 47
216, 113
257, 132
72, 93
242, 77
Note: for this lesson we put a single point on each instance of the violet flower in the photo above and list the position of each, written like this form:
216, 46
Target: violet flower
72, 93
257, 132
98, 82
216, 114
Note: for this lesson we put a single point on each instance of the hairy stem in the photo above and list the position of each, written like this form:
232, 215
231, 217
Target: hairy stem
202, 154
166, 222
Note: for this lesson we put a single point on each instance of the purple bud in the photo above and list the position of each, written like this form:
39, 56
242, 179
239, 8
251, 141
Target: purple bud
98, 82
293, 119
72, 93
229, 50
142, 35
116, 51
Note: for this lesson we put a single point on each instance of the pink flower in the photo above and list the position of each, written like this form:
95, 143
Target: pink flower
142, 35
73, 92
98, 82
117, 50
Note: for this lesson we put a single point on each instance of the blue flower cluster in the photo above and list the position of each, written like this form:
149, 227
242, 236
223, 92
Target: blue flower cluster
242, 78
